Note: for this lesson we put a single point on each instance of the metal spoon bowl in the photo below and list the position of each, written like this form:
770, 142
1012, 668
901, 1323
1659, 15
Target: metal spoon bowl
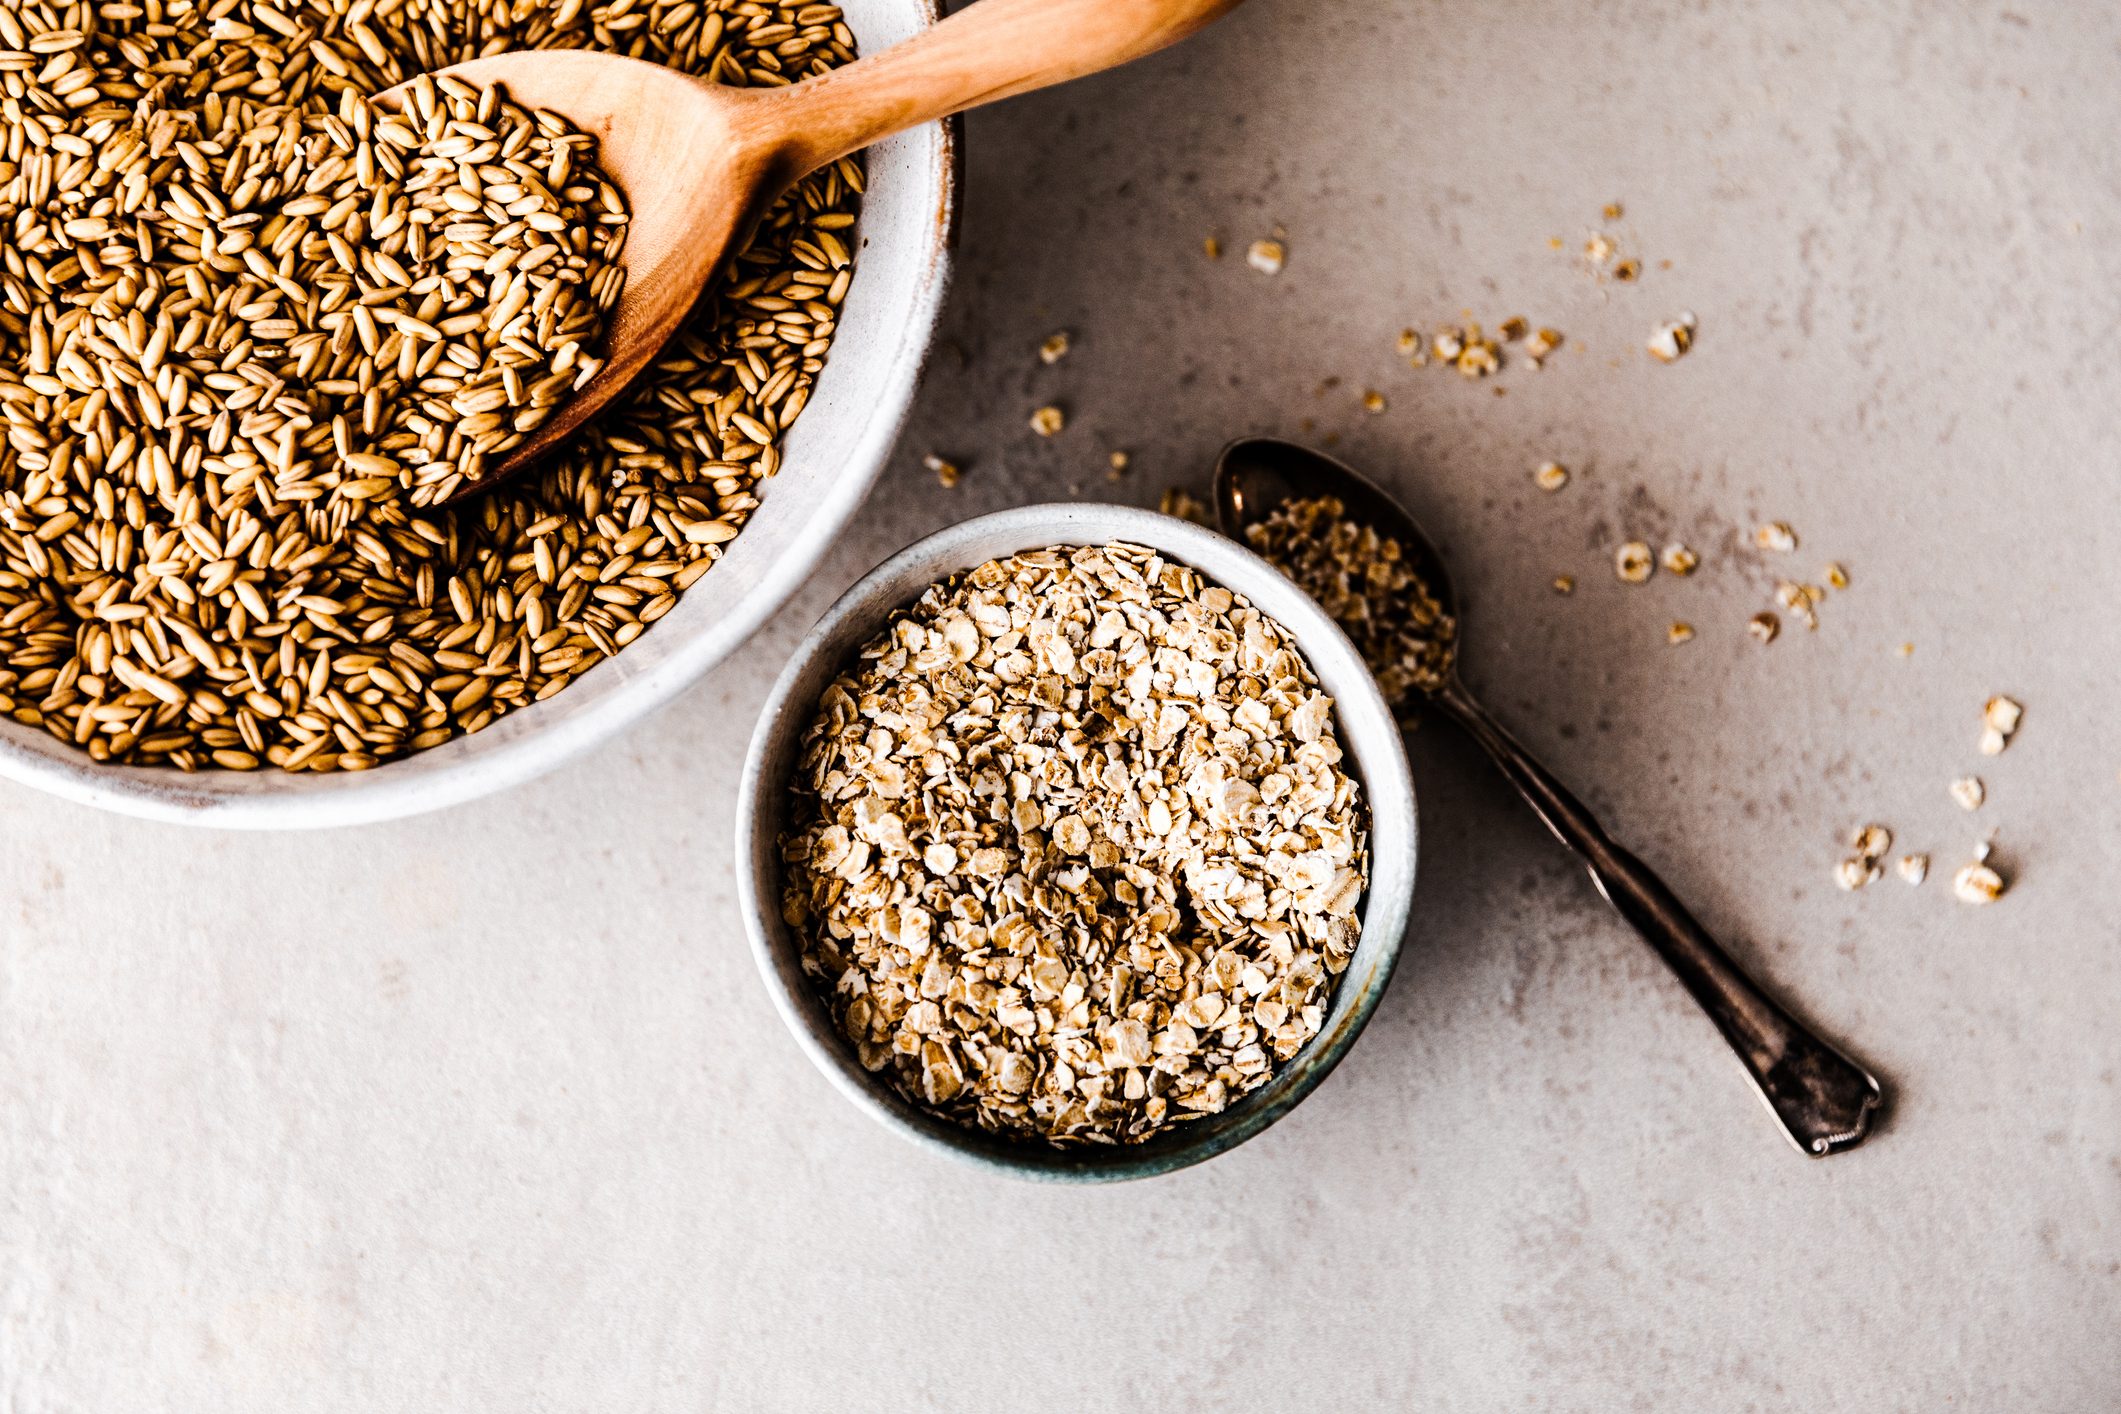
1824, 1101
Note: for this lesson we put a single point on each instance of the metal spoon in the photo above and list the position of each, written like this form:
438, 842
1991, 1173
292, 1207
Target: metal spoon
1824, 1101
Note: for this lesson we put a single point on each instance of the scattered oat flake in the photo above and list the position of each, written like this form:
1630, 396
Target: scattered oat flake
1627, 270
1213, 248
1054, 349
1999, 722
1671, 339
1793, 599
1373, 401
946, 472
1871, 841
1977, 884
1599, 247
1680, 560
1478, 359
1764, 627
1119, 461
1409, 343
1513, 329
1914, 867
1612, 211
1854, 872
1048, 420
1679, 632
1551, 476
1564, 584
1633, 562
1836, 576
1969, 792
1266, 257
1775, 535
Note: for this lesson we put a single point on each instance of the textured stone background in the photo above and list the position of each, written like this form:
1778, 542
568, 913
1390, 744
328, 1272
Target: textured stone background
487, 1110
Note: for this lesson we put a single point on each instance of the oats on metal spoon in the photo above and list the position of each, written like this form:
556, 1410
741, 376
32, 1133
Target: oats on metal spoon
1071, 853
1364, 581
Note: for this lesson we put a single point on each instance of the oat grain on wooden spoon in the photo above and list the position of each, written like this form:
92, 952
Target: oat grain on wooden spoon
698, 162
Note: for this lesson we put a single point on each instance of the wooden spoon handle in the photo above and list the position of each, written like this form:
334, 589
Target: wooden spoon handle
994, 49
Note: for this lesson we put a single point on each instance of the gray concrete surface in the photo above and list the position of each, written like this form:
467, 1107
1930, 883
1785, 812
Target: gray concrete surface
487, 1111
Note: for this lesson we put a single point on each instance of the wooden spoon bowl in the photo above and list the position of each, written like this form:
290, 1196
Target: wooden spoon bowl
699, 162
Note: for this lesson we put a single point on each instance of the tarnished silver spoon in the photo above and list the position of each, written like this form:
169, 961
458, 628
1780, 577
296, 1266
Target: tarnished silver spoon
1824, 1101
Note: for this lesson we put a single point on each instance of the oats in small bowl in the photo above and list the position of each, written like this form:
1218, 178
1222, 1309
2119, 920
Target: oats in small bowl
1076, 841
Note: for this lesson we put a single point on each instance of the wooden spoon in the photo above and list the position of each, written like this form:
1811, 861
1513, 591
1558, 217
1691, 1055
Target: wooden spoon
700, 162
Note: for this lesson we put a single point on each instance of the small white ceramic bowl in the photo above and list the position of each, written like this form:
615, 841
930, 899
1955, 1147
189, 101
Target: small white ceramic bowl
831, 457
1368, 734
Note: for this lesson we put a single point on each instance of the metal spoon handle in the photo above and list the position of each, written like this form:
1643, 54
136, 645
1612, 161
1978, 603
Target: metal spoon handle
1824, 1101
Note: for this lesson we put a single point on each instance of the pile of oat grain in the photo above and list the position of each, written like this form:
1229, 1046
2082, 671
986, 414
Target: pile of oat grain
1071, 854
193, 569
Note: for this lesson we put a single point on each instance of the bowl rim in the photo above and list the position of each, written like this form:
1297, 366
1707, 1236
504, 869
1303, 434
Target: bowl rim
1370, 737
466, 768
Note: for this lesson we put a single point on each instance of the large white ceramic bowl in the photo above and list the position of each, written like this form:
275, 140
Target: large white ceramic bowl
830, 459
1369, 738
